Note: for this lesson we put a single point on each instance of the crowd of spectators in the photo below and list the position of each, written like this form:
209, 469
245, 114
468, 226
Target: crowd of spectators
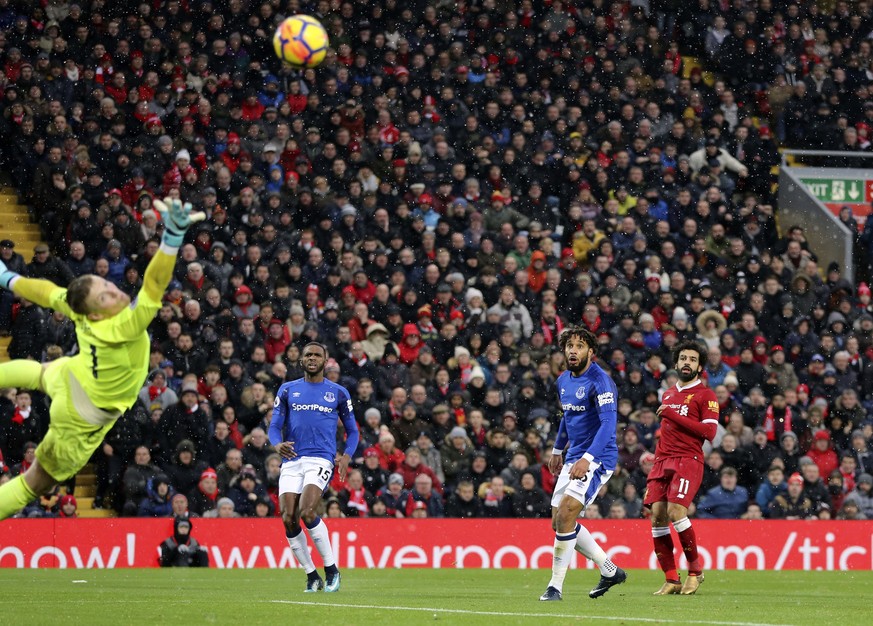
454, 184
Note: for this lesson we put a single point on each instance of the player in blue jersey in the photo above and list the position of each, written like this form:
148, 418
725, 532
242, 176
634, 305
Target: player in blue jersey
589, 400
303, 431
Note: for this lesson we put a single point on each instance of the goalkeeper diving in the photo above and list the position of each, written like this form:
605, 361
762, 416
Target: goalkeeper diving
92, 389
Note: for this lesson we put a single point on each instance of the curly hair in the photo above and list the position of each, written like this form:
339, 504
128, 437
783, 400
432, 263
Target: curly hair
694, 346
579, 332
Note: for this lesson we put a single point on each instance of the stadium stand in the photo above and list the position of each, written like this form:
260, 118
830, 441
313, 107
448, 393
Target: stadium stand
454, 184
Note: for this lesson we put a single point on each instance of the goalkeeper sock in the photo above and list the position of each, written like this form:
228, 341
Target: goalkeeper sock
664, 552
297, 542
688, 540
21, 374
561, 561
586, 546
318, 532
14, 496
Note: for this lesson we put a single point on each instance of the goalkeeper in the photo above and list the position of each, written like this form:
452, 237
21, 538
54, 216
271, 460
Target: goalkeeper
90, 390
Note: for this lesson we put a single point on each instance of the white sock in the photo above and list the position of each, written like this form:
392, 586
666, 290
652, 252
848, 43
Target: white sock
561, 560
586, 546
660, 531
321, 539
682, 524
301, 551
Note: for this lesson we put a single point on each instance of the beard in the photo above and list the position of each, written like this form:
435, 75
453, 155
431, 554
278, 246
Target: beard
687, 377
580, 366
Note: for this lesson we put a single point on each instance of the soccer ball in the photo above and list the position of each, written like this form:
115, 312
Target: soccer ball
301, 41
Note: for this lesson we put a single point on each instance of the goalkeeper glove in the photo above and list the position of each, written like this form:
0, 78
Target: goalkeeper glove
177, 219
7, 276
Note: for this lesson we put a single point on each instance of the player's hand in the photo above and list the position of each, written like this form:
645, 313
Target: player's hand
579, 468
6, 276
183, 549
178, 217
556, 463
286, 450
663, 412
342, 465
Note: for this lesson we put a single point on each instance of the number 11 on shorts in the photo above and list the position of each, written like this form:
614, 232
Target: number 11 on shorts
684, 484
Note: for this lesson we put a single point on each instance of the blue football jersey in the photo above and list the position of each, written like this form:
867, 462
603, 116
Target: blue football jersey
307, 413
590, 405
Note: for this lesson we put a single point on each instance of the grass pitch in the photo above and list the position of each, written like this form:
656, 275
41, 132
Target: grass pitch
413, 596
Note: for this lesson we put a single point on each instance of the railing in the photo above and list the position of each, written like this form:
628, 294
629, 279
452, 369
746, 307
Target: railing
826, 153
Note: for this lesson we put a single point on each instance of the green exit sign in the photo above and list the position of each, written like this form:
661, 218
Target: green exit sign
848, 190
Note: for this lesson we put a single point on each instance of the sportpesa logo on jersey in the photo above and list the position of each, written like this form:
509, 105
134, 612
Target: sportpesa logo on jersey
311, 407
572, 407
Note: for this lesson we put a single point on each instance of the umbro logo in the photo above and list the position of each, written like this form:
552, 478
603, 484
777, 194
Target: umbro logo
296, 394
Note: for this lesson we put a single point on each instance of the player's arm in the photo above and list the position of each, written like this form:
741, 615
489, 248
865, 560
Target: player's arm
178, 218
605, 400
561, 439
39, 291
353, 436
707, 427
277, 425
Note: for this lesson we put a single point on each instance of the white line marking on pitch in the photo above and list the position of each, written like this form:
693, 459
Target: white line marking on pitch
507, 614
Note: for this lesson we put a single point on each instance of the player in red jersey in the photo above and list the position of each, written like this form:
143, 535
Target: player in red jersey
689, 415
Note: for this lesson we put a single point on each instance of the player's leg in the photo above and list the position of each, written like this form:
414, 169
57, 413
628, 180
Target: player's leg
23, 489
558, 494
691, 475
69, 442
657, 491
663, 544
565, 540
290, 486
585, 491
22, 374
315, 480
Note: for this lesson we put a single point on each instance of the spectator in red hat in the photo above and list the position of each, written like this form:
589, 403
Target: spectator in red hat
792, 505
822, 453
277, 340
68, 506
205, 496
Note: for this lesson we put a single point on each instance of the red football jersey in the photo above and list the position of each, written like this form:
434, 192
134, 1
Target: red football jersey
697, 402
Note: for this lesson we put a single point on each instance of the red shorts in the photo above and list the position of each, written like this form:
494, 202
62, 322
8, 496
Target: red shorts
674, 479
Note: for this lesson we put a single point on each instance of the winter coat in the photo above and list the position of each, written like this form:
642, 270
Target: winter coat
533, 503
456, 461
456, 507
411, 473
409, 353
767, 492
718, 503
863, 500
155, 506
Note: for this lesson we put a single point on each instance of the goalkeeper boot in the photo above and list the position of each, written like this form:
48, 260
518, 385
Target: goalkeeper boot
607, 583
551, 595
314, 583
692, 584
